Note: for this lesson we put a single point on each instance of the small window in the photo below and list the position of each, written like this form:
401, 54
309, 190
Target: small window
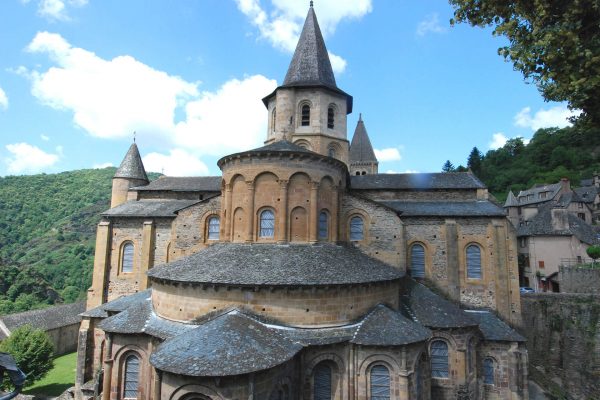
131, 377
356, 229
331, 152
523, 241
417, 261
473, 262
274, 119
305, 115
322, 382
357, 172
330, 117
581, 216
127, 260
488, 371
439, 359
541, 264
267, 224
323, 225
213, 228
380, 383
580, 205
542, 195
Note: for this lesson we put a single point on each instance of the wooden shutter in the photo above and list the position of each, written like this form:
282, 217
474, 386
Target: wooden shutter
473, 262
380, 383
322, 382
417, 261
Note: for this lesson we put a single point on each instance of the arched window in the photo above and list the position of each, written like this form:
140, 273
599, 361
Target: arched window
357, 172
131, 377
331, 151
473, 262
267, 224
274, 118
417, 261
488, 371
322, 382
439, 359
330, 117
127, 258
305, 115
356, 229
214, 226
380, 383
323, 225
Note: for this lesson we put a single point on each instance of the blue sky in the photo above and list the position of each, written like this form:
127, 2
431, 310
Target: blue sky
77, 77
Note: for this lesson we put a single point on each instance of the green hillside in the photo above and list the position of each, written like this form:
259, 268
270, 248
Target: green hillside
47, 236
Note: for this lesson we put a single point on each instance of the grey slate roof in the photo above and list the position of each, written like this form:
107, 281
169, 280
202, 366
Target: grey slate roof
231, 344
535, 191
476, 208
281, 146
46, 319
118, 305
422, 181
541, 225
587, 194
149, 208
430, 309
318, 336
184, 184
276, 265
386, 327
511, 200
493, 328
132, 166
361, 149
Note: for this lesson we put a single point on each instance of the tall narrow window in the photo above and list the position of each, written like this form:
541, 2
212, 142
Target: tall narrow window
439, 359
274, 118
323, 225
417, 261
127, 258
488, 371
213, 228
356, 229
473, 262
380, 383
267, 224
322, 382
131, 377
330, 117
331, 151
305, 115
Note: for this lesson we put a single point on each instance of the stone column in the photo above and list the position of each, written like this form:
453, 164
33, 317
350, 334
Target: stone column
108, 363
147, 259
282, 232
97, 296
335, 228
227, 218
250, 231
313, 220
501, 269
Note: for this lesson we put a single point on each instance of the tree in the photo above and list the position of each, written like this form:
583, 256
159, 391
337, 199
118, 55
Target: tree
555, 44
474, 161
32, 350
593, 252
448, 166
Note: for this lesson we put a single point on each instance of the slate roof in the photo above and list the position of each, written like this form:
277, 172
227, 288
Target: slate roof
132, 166
541, 225
277, 265
511, 200
386, 327
120, 304
361, 149
430, 309
421, 181
535, 191
184, 184
318, 336
587, 194
493, 328
46, 318
149, 208
476, 208
230, 344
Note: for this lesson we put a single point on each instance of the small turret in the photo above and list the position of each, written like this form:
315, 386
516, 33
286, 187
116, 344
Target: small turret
362, 157
131, 173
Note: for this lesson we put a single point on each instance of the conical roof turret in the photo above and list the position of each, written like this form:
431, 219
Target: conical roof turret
361, 149
511, 200
132, 166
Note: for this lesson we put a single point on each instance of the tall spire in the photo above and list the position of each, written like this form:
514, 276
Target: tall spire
362, 157
310, 64
132, 166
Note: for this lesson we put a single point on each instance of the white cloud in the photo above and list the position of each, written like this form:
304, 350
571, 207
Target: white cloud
389, 154
553, 117
338, 64
102, 165
177, 163
57, 9
431, 24
3, 100
26, 158
498, 140
44, 137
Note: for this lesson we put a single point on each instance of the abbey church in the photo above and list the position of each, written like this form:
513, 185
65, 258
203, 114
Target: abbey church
301, 272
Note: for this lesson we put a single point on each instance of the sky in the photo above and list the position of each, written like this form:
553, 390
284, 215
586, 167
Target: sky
79, 77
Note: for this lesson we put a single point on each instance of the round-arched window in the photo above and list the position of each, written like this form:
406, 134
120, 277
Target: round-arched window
127, 258
305, 118
131, 377
380, 383
214, 227
473, 262
417, 261
439, 359
322, 382
356, 229
323, 225
267, 224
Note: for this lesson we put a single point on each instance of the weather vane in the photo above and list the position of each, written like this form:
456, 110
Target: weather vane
133, 136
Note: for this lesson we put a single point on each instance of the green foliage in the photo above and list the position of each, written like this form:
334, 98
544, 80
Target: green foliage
474, 161
32, 349
593, 252
555, 44
448, 166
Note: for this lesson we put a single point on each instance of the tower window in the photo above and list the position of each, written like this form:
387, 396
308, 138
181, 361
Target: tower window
380, 383
274, 118
323, 225
213, 228
132, 374
127, 258
322, 382
488, 371
305, 115
331, 151
473, 262
439, 359
330, 117
417, 261
356, 229
267, 224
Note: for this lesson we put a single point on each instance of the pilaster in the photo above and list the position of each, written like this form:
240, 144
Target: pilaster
97, 295
314, 212
283, 212
147, 260
250, 226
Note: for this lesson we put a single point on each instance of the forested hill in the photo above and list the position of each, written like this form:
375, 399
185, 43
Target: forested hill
47, 236
551, 154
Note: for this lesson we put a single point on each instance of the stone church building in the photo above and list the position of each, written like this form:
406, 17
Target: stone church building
302, 273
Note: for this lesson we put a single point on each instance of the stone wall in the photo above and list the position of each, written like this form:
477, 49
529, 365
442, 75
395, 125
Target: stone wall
563, 333
579, 280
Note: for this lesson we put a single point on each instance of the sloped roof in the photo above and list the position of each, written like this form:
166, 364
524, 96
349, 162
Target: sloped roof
493, 328
535, 191
541, 225
511, 200
474, 208
149, 208
120, 304
184, 184
421, 181
587, 194
132, 166
277, 265
46, 318
386, 327
361, 149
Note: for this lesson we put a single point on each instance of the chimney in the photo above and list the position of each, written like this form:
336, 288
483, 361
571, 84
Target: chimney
565, 185
560, 219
